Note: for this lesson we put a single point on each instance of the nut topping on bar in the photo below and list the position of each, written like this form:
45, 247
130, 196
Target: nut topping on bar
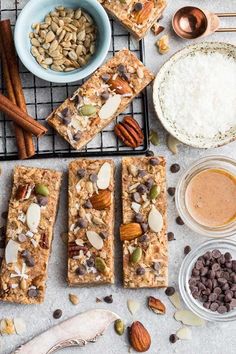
129, 132
143, 231
100, 99
90, 247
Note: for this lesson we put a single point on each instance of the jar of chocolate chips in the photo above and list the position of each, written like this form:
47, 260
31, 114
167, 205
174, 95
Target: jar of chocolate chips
207, 280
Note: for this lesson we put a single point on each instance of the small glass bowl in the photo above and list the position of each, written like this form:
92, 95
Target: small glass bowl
185, 273
213, 161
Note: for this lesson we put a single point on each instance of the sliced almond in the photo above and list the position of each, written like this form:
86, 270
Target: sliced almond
11, 251
173, 144
188, 318
155, 220
20, 326
110, 107
104, 176
175, 300
136, 207
95, 240
184, 333
133, 306
33, 216
7, 327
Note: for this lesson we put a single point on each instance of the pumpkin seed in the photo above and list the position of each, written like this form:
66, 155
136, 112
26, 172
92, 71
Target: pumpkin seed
154, 139
87, 110
136, 255
42, 189
100, 265
119, 327
154, 192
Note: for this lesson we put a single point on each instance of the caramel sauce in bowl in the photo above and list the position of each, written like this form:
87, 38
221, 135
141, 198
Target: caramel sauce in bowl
206, 196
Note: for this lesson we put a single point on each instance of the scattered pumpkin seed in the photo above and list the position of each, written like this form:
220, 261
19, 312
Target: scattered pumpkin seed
119, 327
136, 255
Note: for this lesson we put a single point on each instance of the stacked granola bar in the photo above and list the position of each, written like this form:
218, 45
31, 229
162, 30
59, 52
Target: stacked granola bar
135, 15
100, 99
91, 222
143, 232
31, 217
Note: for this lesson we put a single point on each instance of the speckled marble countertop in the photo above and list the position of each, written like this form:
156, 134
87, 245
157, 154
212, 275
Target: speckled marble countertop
215, 338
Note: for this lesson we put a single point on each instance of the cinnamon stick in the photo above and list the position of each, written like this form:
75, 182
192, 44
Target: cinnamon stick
20, 117
14, 87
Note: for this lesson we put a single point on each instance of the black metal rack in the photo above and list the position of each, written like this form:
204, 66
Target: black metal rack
42, 97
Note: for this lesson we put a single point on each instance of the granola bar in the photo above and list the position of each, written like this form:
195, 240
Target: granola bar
136, 16
100, 99
143, 232
31, 217
91, 222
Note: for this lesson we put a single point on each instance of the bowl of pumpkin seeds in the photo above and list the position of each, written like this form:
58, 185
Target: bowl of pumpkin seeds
62, 41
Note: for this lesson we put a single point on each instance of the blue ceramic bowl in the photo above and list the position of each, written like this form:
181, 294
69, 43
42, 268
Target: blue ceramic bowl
35, 11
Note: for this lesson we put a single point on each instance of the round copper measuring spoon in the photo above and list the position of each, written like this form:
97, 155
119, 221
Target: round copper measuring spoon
191, 22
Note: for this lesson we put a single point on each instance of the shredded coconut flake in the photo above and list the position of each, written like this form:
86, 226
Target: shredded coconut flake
200, 94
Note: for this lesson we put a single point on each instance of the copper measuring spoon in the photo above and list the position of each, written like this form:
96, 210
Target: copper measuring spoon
191, 22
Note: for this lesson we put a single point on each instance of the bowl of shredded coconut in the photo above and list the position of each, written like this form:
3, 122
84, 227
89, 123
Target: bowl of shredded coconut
194, 94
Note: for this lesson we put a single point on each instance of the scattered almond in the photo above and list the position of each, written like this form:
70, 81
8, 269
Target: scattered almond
188, 318
133, 306
175, 300
139, 337
184, 333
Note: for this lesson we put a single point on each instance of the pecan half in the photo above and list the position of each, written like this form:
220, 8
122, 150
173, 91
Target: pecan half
44, 243
129, 132
156, 305
120, 86
74, 249
24, 191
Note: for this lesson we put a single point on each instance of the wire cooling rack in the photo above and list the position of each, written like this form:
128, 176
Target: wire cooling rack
42, 97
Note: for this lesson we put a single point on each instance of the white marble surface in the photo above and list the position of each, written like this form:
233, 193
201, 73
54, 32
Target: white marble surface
213, 338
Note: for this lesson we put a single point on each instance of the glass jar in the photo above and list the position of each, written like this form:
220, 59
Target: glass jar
185, 273
215, 162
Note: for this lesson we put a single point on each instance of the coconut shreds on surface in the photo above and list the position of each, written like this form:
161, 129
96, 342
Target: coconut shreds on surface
200, 94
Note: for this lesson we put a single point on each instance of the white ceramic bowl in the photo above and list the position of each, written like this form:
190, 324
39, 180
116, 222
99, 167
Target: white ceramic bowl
35, 11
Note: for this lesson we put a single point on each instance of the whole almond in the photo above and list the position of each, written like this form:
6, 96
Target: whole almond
139, 337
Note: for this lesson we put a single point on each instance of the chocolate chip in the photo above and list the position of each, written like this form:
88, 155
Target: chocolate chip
88, 205
215, 267
81, 270
77, 136
187, 249
106, 77
81, 173
41, 200
93, 177
144, 226
143, 238
175, 168
57, 314
156, 266
108, 299
121, 68
138, 218
222, 309
214, 306
149, 183
171, 191
105, 95
142, 189
207, 305
217, 290
142, 173
154, 161
170, 291
66, 120
103, 234
179, 221
216, 254
171, 236
213, 297
29, 261
228, 256
149, 153
82, 223
32, 292
138, 6
173, 338
126, 76
140, 271
136, 197
90, 262
25, 254
195, 272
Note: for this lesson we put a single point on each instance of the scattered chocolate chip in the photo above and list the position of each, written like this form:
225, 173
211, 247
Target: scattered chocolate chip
149, 153
136, 197
142, 189
103, 234
57, 314
77, 136
93, 177
88, 205
81, 270
138, 6
41, 200
175, 168
105, 95
108, 299
179, 221
138, 218
171, 236
187, 249
154, 161
81, 173
144, 227
140, 271
173, 338
82, 223
170, 291
171, 191
106, 77
98, 300
32, 292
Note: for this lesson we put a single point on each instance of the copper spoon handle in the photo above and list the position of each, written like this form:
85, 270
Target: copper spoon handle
226, 29
226, 14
